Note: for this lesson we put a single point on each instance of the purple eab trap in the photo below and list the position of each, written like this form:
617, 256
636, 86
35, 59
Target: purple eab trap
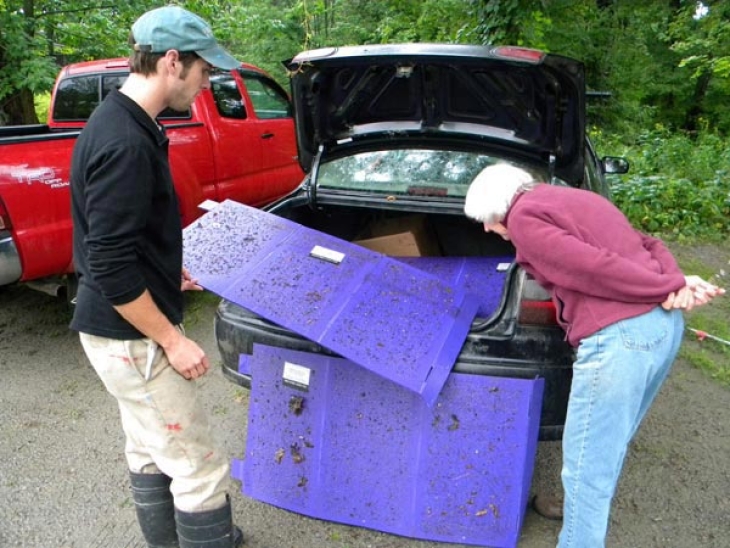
334, 441
396, 320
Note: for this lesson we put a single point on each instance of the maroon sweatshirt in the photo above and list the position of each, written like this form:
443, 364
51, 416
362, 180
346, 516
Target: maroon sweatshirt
584, 251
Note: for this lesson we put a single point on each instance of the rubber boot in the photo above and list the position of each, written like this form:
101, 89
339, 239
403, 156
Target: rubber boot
209, 529
155, 509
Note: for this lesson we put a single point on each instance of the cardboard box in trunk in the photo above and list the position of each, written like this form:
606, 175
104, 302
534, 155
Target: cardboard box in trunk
402, 237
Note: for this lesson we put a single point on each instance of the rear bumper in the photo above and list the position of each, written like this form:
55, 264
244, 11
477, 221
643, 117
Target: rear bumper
236, 333
10, 269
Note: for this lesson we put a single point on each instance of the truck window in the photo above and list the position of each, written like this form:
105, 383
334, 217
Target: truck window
227, 96
109, 83
268, 98
76, 98
172, 114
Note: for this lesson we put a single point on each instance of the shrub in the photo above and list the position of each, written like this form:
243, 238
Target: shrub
678, 186
42, 104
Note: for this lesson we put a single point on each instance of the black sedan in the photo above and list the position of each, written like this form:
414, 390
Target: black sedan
390, 137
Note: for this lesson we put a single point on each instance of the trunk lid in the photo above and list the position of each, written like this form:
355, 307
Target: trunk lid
358, 98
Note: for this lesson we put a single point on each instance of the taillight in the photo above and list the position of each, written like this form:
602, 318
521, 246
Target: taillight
4, 217
515, 53
536, 306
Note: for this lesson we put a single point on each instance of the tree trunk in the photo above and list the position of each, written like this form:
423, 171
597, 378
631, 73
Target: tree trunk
19, 109
696, 109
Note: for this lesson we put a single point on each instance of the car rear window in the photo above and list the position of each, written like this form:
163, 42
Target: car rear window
407, 172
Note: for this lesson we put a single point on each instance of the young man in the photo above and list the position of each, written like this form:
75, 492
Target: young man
128, 257
619, 295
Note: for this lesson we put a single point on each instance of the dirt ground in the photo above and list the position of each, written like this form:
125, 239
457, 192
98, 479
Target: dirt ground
63, 478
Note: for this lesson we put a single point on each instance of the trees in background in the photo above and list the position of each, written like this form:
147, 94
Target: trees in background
664, 62
39, 36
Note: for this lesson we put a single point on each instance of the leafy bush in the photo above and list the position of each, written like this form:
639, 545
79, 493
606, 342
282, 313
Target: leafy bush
42, 104
678, 186
678, 207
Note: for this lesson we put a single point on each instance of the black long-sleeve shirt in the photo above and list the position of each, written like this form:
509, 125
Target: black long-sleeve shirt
127, 233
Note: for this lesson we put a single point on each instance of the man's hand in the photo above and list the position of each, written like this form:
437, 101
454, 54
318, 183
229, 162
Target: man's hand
187, 358
188, 283
184, 355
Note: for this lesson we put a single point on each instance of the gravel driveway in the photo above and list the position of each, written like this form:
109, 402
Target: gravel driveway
63, 478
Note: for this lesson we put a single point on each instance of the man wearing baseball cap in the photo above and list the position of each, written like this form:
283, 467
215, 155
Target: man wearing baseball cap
172, 27
129, 311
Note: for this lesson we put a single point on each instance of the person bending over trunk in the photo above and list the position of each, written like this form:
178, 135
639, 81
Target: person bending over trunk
619, 296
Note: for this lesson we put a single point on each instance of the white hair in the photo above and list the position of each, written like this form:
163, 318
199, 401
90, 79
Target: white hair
491, 192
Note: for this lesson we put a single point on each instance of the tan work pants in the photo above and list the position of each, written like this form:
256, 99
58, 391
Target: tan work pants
165, 425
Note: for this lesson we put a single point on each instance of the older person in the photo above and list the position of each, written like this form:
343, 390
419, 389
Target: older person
128, 256
619, 296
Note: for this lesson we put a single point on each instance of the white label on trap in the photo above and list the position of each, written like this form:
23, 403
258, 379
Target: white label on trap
208, 205
297, 375
501, 267
329, 255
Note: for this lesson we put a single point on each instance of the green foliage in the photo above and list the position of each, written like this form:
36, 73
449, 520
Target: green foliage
674, 207
703, 42
42, 106
266, 33
679, 185
37, 34
661, 62
497, 20
22, 60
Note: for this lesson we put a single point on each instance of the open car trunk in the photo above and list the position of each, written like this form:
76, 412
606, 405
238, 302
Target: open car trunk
438, 234
446, 246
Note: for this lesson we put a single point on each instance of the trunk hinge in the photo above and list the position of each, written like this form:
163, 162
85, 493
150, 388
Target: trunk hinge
313, 174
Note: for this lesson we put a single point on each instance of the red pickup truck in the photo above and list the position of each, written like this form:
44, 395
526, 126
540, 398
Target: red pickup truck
235, 142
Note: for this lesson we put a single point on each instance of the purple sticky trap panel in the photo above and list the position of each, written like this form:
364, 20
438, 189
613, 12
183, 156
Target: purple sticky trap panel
396, 320
331, 440
482, 277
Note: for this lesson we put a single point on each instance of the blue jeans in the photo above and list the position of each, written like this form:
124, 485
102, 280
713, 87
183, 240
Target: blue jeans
616, 376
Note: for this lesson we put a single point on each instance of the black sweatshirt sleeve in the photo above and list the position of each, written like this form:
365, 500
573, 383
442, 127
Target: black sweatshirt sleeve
117, 200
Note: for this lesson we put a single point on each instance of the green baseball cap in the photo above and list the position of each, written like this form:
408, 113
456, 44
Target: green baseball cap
172, 27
